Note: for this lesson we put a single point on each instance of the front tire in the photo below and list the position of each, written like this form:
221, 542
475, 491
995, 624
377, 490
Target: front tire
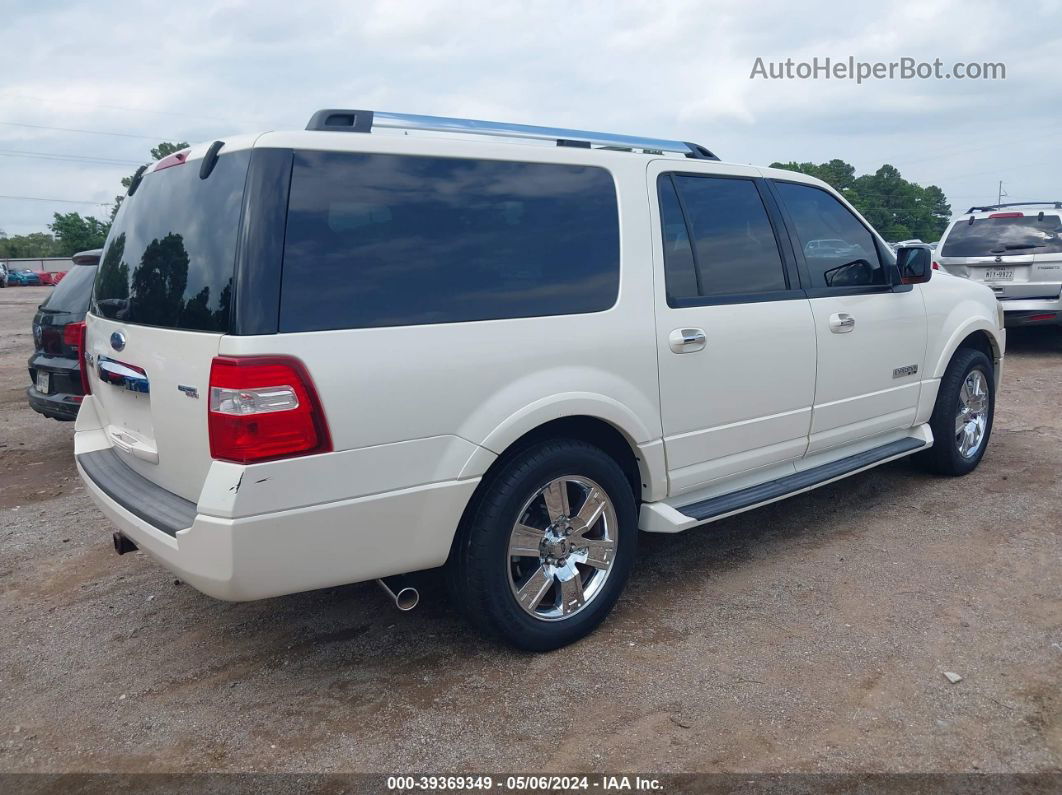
547, 546
963, 414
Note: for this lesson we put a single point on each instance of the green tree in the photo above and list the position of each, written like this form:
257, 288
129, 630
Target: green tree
897, 208
74, 232
164, 149
36, 244
114, 272
158, 281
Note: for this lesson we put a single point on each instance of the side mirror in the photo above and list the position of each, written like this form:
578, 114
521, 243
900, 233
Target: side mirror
915, 264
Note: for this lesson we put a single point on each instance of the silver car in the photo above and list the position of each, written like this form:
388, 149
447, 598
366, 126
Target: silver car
1016, 249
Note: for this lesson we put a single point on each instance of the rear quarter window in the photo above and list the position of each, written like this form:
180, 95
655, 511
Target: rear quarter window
388, 240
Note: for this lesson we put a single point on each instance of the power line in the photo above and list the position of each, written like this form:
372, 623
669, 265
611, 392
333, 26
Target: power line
114, 107
155, 138
69, 158
63, 201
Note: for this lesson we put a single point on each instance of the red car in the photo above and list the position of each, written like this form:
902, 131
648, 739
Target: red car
50, 277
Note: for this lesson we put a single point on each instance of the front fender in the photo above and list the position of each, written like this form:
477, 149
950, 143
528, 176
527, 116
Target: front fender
961, 332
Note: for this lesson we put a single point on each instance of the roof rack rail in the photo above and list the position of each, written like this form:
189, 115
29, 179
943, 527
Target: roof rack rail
340, 120
987, 207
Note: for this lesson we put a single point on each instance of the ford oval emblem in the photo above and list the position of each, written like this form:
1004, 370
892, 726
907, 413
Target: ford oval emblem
118, 341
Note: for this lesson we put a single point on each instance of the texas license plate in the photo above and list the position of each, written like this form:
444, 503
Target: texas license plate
44, 382
999, 275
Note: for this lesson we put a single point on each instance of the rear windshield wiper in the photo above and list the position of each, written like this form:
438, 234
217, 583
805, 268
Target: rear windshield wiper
1017, 247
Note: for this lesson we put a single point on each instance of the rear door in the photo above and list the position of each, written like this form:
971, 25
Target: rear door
871, 340
735, 335
161, 304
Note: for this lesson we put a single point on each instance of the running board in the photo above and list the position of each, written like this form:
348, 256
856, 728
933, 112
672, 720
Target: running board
800, 481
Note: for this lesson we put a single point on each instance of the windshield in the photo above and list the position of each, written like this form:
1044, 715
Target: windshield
170, 255
72, 294
995, 237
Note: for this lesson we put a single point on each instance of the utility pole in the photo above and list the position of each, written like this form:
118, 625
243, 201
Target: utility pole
1001, 194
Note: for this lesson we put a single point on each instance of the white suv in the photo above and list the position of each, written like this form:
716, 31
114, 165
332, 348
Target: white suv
339, 354
1015, 249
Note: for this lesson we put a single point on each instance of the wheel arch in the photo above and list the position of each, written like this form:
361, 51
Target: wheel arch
607, 436
596, 419
978, 335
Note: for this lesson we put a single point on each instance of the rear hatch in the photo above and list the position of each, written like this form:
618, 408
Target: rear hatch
55, 335
1018, 255
160, 307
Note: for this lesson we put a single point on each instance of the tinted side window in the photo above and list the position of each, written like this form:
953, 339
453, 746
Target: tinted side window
718, 238
390, 240
838, 249
680, 272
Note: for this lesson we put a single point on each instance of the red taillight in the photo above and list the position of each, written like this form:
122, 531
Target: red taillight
1006, 215
936, 266
72, 334
263, 407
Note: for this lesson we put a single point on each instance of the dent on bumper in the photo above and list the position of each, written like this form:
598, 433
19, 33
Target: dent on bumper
303, 549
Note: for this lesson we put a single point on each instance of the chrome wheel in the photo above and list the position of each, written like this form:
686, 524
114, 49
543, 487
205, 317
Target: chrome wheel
972, 417
562, 548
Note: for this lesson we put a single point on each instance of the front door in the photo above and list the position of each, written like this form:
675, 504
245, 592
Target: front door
871, 337
736, 337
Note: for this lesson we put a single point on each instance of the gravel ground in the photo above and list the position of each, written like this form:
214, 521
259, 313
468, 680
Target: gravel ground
810, 635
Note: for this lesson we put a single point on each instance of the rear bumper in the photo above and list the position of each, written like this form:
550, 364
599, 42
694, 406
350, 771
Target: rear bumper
58, 407
281, 552
1032, 311
64, 400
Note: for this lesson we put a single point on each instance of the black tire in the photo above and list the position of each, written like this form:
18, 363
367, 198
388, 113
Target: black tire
945, 457
478, 573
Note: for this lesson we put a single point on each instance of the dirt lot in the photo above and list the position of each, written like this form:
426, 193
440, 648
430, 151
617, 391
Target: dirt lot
810, 635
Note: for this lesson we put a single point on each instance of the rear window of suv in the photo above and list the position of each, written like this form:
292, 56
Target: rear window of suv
388, 240
73, 291
994, 237
171, 252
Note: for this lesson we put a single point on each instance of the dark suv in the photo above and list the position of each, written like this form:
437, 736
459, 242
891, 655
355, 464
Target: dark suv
57, 386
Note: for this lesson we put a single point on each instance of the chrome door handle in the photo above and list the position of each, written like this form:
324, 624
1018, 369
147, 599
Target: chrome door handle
120, 374
841, 323
687, 340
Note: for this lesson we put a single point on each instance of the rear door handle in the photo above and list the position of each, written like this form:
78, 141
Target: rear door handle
841, 323
687, 340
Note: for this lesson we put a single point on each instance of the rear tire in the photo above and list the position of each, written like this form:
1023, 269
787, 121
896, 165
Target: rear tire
963, 414
546, 548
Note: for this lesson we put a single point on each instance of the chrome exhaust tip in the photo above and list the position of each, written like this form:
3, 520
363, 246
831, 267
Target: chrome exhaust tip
405, 597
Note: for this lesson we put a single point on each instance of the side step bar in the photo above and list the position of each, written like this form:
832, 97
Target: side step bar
799, 481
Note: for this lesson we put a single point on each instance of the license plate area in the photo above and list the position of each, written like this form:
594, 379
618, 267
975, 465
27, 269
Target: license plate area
999, 274
44, 382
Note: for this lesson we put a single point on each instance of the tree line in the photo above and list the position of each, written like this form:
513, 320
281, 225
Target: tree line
898, 209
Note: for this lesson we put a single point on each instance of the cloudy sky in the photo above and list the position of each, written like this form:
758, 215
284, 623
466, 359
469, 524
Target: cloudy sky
145, 72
